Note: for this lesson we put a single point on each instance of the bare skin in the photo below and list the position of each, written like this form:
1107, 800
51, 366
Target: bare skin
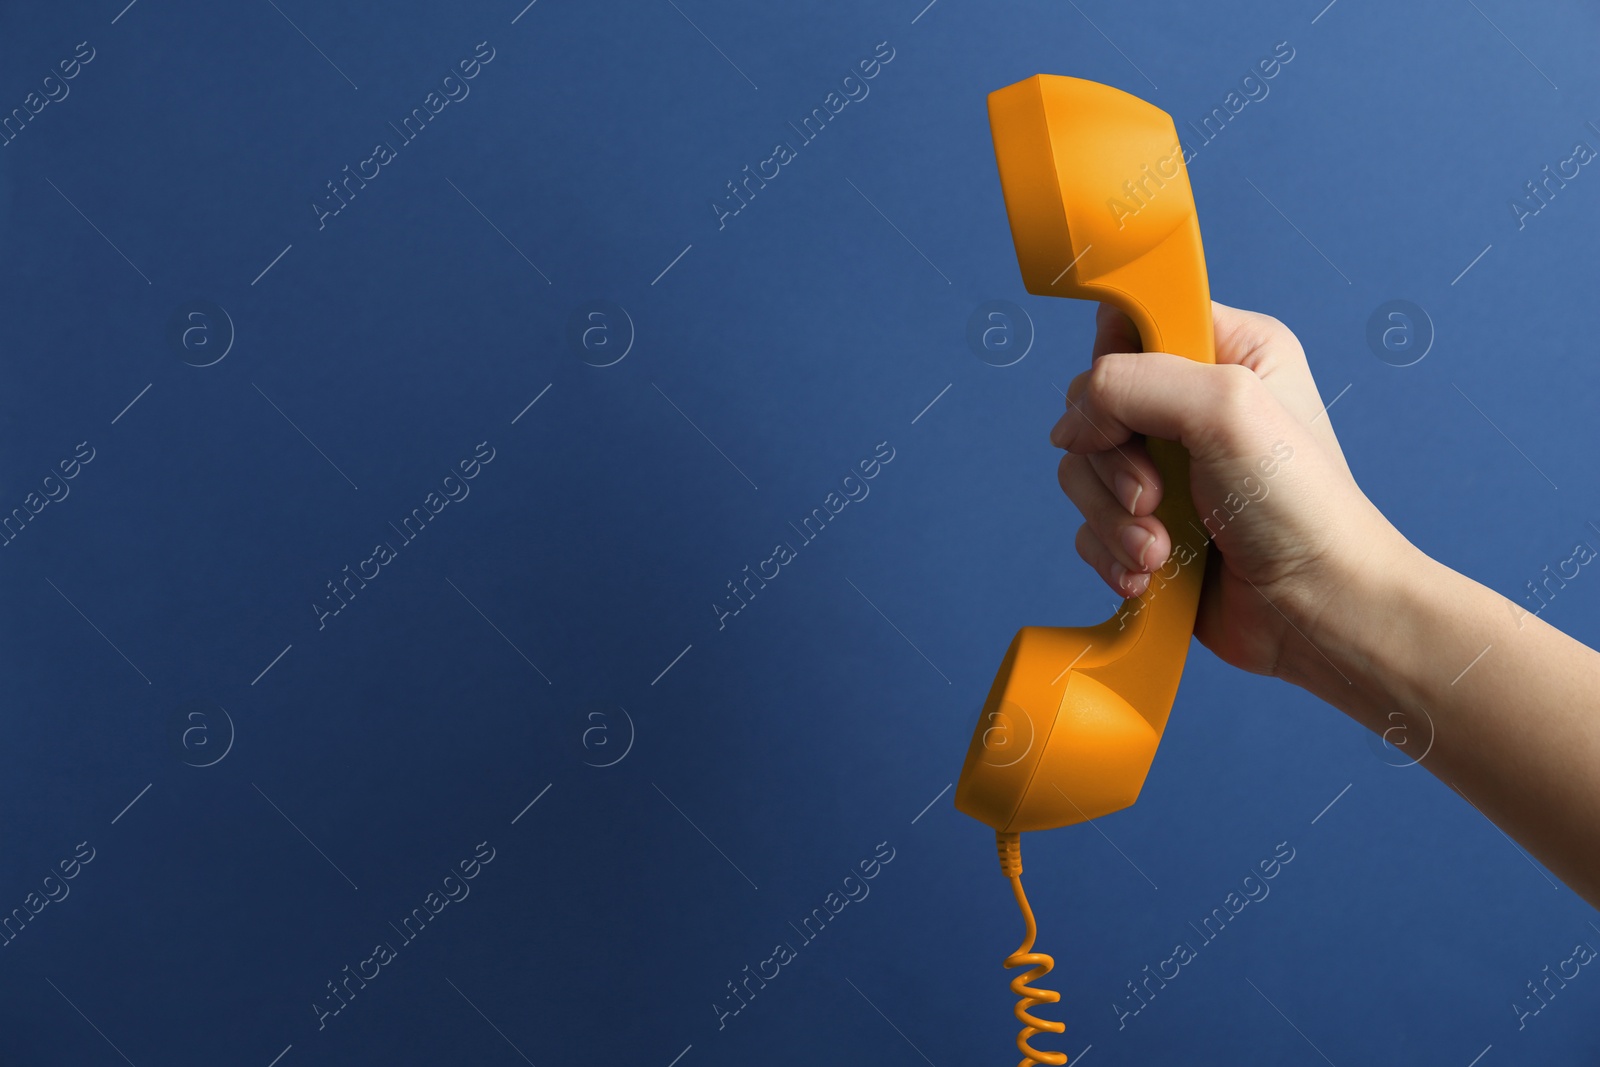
1311, 584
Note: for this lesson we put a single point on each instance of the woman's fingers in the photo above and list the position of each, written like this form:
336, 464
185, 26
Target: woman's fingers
1138, 543
1249, 339
1159, 394
1119, 578
1131, 476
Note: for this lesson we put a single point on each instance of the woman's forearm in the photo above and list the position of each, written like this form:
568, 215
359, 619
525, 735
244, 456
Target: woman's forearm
1497, 703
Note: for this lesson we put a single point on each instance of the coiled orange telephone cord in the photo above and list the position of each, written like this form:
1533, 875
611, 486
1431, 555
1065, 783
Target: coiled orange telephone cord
1039, 964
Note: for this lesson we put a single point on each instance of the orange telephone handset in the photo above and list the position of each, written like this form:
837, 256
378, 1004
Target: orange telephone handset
1100, 209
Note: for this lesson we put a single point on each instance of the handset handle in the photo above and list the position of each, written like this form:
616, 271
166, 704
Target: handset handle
1166, 294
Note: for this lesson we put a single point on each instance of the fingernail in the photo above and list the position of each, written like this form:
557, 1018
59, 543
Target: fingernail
1129, 489
1128, 584
1136, 540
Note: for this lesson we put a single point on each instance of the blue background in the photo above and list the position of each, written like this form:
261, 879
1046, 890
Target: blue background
470, 678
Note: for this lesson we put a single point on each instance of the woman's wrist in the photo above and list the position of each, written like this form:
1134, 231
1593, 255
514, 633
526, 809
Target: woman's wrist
1361, 642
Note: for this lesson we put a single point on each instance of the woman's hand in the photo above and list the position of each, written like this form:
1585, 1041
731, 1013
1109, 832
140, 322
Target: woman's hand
1268, 479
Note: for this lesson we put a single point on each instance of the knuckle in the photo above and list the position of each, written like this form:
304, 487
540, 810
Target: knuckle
1237, 389
1077, 387
1106, 378
1237, 403
1274, 327
1069, 472
1273, 333
1082, 542
1090, 548
1267, 328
